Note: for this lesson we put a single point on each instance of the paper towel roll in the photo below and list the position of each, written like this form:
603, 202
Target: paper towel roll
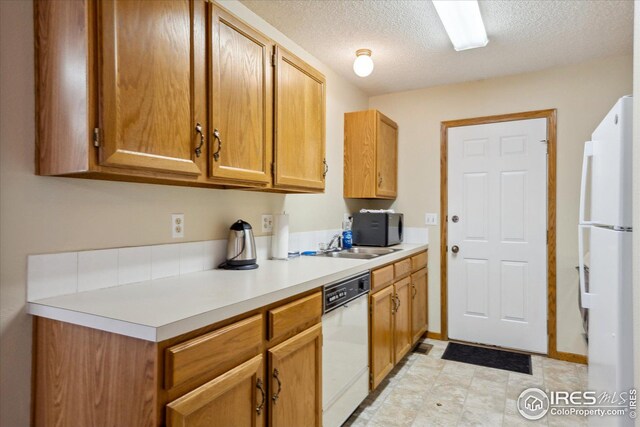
280, 238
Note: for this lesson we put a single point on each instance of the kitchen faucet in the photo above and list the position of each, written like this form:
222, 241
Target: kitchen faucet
335, 240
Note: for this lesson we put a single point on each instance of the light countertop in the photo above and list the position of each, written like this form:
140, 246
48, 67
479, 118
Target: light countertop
160, 309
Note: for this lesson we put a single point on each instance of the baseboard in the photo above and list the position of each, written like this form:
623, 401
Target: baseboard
434, 335
569, 357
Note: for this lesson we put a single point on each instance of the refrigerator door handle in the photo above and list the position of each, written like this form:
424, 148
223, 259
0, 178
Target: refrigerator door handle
585, 296
588, 153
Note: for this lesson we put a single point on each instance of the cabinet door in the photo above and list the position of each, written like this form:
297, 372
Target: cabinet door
295, 370
382, 324
150, 52
235, 398
386, 156
402, 333
240, 100
419, 304
300, 124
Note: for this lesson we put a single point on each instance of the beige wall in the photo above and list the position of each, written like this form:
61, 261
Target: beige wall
583, 94
43, 214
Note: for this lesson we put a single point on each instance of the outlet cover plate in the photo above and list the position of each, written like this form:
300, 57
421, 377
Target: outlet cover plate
431, 219
177, 226
267, 223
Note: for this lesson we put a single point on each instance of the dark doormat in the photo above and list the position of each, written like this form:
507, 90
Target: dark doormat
489, 357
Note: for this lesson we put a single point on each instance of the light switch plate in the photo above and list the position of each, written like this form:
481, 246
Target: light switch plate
267, 223
431, 219
177, 226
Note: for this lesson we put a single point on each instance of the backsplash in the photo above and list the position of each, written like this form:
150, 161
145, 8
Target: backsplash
51, 275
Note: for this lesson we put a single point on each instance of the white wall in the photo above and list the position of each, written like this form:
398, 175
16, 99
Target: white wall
582, 93
44, 214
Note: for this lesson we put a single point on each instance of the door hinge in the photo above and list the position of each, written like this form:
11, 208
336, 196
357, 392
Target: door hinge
446, 248
96, 137
546, 145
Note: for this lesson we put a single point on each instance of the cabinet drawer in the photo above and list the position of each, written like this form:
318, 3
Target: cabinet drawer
419, 261
402, 268
213, 353
295, 314
381, 277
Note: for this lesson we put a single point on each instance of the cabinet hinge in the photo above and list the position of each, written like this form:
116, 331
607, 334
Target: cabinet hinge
273, 59
273, 168
96, 137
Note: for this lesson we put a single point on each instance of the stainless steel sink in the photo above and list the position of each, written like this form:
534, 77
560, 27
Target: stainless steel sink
376, 251
360, 253
345, 254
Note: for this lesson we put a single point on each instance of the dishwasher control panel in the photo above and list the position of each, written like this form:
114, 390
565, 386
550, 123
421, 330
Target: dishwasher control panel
339, 293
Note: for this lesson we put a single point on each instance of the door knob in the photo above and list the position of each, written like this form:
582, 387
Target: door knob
455, 218
455, 249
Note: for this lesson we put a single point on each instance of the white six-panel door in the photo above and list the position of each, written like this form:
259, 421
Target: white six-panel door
497, 221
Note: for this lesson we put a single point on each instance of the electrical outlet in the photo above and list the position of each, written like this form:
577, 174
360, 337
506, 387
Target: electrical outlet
177, 226
431, 219
267, 223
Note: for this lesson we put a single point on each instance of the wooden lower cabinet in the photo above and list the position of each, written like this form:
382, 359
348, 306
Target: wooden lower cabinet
235, 398
398, 310
381, 342
402, 318
419, 311
295, 375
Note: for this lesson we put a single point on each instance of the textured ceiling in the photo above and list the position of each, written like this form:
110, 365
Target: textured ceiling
411, 49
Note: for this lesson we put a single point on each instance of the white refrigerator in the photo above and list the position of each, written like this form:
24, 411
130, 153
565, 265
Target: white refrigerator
605, 234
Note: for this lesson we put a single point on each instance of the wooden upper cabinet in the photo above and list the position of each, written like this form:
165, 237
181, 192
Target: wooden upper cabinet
295, 370
299, 124
370, 155
148, 110
240, 100
235, 398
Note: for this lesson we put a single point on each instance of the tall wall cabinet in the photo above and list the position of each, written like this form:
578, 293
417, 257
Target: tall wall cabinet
174, 92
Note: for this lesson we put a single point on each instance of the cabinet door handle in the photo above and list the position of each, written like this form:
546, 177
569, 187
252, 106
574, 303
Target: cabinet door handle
199, 147
216, 136
264, 396
326, 168
414, 291
398, 299
276, 395
379, 179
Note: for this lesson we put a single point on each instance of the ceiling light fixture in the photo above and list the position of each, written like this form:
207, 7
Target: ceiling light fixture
463, 23
363, 65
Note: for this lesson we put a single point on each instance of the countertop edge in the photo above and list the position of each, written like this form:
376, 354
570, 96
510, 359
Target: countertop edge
188, 324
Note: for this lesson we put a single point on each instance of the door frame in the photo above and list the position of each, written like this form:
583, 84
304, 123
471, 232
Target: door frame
551, 116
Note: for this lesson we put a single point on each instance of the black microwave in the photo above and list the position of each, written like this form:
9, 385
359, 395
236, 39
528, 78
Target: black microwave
377, 229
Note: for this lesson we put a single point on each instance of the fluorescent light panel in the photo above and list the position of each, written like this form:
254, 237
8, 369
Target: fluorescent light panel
463, 22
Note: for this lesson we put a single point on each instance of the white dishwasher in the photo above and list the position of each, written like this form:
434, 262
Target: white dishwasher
345, 350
